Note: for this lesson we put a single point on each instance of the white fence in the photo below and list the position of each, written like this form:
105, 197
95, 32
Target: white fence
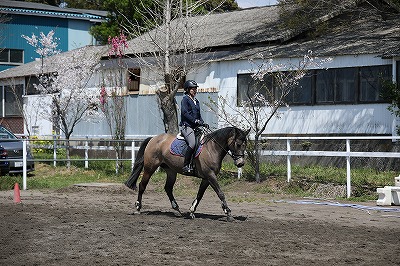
348, 154
86, 147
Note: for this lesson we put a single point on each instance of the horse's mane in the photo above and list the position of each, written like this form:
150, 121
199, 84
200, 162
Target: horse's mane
221, 134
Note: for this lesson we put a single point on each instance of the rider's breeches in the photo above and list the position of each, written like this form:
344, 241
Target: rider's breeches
188, 134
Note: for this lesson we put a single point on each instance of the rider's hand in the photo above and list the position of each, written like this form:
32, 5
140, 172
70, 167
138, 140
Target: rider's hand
198, 122
206, 125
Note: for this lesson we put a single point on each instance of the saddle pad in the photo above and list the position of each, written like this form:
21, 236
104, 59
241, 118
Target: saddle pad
179, 147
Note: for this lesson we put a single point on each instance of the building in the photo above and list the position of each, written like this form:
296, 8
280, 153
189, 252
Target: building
18, 18
342, 97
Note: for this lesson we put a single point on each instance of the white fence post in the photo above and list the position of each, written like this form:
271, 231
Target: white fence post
348, 168
24, 165
289, 166
54, 150
240, 171
86, 153
133, 154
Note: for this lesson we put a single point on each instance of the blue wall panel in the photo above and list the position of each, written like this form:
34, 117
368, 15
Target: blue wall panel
27, 25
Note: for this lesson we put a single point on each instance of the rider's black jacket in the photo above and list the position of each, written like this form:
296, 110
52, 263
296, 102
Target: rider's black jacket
190, 112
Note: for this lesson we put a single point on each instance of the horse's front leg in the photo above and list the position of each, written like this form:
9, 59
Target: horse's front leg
203, 186
169, 186
214, 184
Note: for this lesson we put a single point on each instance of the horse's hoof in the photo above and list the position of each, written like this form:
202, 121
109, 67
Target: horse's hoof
178, 214
192, 215
230, 218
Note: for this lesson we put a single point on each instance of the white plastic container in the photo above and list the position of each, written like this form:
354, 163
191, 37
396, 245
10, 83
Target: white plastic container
397, 181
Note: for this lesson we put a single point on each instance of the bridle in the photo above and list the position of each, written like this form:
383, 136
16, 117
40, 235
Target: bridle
233, 155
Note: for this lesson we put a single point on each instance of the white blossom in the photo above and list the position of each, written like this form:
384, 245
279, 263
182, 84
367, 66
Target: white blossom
64, 77
46, 45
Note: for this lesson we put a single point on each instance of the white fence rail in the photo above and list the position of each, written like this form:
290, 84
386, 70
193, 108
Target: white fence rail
86, 147
348, 154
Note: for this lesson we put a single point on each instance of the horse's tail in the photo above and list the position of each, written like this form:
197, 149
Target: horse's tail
138, 166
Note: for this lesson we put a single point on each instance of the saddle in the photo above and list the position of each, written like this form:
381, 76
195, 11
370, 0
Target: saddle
179, 145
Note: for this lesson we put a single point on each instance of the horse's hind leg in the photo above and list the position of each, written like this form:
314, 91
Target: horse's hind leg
142, 187
203, 186
169, 186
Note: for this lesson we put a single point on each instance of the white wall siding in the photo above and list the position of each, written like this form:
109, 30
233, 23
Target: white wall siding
34, 107
318, 119
333, 119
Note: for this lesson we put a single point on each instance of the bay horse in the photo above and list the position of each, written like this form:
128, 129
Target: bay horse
155, 152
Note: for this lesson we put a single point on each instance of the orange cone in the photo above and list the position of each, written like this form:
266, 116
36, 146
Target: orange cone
17, 194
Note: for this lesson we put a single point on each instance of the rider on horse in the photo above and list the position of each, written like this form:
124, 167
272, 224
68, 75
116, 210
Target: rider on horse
190, 119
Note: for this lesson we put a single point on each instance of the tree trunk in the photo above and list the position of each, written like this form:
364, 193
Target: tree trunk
166, 95
67, 153
257, 158
170, 113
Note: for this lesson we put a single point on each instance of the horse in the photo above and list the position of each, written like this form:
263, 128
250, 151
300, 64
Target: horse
155, 152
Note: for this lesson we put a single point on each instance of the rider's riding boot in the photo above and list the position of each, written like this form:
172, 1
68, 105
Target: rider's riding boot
187, 168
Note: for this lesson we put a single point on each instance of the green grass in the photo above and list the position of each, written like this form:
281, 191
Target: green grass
49, 177
364, 181
321, 174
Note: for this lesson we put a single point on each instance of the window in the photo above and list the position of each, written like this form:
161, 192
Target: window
398, 74
11, 56
345, 85
133, 81
1, 101
332, 86
249, 87
13, 99
30, 82
302, 93
336, 85
371, 82
325, 86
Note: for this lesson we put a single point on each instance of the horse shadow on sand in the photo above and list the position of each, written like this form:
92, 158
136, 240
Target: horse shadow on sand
186, 215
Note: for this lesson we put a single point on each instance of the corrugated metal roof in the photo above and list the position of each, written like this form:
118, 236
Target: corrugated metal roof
231, 28
29, 8
359, 29
250, 33
33, 68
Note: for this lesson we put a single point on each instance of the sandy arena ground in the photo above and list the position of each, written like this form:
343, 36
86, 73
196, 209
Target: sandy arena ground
96, 226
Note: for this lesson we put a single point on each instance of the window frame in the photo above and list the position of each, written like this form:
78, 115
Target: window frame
9, 51
336, 76
10, 102
133, 80
255, 85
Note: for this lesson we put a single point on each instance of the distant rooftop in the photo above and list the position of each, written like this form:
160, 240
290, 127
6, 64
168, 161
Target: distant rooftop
29, 8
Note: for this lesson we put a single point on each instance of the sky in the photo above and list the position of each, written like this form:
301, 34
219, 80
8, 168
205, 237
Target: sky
253, 3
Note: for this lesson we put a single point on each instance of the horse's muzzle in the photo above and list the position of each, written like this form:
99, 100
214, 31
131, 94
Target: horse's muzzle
239, 162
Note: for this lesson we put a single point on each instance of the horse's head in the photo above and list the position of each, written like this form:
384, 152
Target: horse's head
237, 146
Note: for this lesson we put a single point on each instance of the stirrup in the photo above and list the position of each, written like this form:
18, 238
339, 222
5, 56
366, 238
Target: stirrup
187, 169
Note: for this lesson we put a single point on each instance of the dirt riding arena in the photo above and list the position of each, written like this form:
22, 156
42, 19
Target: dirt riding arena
95, 226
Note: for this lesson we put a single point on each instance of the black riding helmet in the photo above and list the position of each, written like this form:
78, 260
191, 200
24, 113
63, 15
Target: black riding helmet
189, 84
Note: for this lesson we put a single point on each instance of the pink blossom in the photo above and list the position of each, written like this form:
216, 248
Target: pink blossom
118, 44
103, 95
